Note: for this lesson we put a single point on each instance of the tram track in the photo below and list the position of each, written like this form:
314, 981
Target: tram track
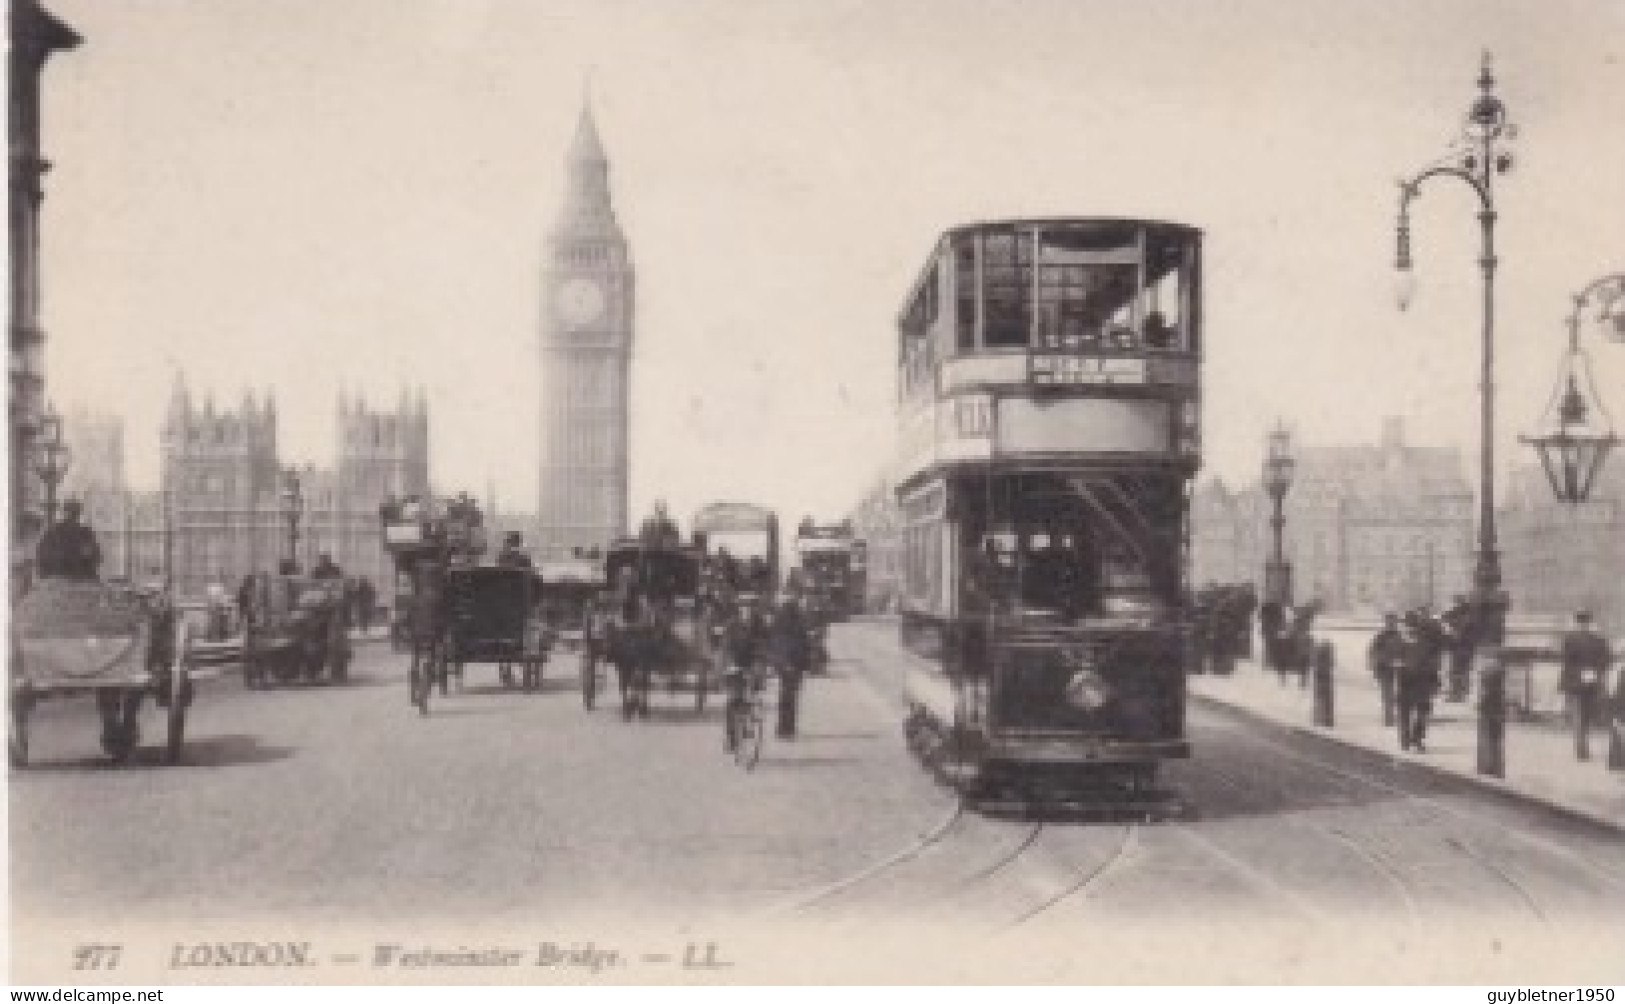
1439, 808
1084, 880
825, 894
1394, 873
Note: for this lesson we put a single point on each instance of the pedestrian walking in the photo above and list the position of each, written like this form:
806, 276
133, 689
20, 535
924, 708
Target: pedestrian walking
792, 653
1460, 637
1386, 657
1418, 682
1586, 658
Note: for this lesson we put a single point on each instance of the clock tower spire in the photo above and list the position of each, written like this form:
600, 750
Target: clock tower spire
586, 356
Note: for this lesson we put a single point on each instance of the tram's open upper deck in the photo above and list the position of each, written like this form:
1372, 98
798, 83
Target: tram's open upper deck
1052, 340
1089, 285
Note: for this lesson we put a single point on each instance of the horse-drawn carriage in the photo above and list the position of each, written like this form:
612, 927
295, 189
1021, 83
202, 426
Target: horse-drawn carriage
296, 628
76, 637
493, 615
573, 609
656, 632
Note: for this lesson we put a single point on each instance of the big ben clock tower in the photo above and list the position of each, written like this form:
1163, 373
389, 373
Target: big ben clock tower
586, 349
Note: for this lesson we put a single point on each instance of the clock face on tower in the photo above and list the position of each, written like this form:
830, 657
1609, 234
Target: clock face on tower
581, 301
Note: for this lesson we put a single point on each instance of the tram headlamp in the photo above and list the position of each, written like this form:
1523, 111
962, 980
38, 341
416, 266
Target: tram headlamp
1087, 690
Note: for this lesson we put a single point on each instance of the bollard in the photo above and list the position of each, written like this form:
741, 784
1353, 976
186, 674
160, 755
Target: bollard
1323, 702
1492, 714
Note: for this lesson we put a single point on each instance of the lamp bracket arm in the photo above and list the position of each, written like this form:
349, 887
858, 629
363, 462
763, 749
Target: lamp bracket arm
1409, 190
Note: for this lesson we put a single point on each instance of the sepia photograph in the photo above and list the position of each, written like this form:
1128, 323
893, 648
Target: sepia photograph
816, 492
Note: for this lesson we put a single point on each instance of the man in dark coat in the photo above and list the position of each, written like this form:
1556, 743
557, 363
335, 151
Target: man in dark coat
1586, 658
68, 550
513, 553
1460, 638
1418, 682
792, 653
1387, 657
326, 569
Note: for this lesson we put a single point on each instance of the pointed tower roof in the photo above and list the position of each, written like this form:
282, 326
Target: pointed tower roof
180, 401
587, 211
587, 148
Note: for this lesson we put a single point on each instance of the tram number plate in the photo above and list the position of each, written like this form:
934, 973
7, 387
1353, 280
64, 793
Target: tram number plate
1086, 370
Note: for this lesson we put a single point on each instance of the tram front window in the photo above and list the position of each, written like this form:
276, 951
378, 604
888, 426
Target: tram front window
1063, 550
1039, 574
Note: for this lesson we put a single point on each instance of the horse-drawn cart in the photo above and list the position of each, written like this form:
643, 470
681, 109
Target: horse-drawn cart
572, 595
296, 629
72, 637
656, 626
493, 614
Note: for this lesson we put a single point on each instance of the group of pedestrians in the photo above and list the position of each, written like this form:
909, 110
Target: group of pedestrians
1408, 658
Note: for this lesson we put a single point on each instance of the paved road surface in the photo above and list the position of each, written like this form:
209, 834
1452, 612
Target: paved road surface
505, 811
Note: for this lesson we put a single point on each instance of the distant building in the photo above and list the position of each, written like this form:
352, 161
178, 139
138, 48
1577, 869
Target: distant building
876, 522
33, 34
1556, 557
220, 513
1367, 527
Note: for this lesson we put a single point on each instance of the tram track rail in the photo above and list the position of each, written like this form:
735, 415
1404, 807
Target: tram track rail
1394, 873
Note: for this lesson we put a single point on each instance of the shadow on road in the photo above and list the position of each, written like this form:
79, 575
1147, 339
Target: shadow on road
213, 751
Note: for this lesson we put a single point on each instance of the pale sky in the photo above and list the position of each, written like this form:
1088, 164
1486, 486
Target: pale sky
314, 194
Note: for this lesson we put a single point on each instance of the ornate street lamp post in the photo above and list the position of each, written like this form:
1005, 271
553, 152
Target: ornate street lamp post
53, 460
1576, 436
1278, 468
1479, 159
293, 507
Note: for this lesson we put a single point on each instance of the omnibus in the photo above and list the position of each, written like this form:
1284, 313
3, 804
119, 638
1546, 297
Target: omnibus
1048, 405
749, 534
828, 558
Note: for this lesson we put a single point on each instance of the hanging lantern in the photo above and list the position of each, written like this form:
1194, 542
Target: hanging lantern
1576, 435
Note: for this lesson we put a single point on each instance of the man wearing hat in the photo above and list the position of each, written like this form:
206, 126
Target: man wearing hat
68, 550
1585, 663
513, 553
1387, 656
1418, 682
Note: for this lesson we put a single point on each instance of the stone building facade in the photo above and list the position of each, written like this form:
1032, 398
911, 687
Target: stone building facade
1386, 526
221, 513
1557, 558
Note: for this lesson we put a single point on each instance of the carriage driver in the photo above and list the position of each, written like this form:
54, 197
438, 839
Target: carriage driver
513, 554
68, 550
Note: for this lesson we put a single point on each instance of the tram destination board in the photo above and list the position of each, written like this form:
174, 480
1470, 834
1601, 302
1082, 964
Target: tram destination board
1084, 370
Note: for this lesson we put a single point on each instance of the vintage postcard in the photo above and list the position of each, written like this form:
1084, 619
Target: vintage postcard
620, 492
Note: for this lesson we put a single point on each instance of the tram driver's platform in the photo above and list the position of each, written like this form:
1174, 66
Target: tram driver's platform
1539, 757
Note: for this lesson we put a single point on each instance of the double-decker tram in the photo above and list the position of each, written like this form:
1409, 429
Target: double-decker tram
1048, 401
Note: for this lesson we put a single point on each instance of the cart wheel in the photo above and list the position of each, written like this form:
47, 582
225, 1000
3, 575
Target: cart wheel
589, 679
179, 693
22, 703
120, 741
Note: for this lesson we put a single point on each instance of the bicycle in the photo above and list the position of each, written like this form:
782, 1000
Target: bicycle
745, 725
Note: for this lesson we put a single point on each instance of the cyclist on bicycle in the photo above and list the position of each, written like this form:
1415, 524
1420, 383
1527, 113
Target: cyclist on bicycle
742, 640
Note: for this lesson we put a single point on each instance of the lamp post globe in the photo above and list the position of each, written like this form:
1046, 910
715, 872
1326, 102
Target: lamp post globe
1576, 436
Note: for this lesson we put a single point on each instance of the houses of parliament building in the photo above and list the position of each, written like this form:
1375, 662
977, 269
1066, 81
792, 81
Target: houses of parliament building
224, 509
